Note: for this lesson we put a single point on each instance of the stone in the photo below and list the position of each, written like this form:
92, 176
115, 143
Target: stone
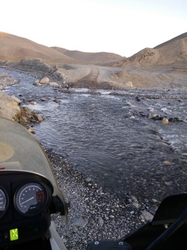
38, 117
80, 222
31, 130
33, 102
129, 84
8, 107
23, 119
53, 84
138, 99
88, 179
165, 121
136, 205
44, 80
16, 99
43, 99
153, 116
37, 82
167, 163
146, 216
101, 221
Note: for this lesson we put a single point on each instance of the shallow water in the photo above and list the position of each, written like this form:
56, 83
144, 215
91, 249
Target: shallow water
108, 136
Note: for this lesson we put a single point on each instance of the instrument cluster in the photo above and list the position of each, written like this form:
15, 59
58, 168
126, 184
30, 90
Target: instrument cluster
25, 194
29, 199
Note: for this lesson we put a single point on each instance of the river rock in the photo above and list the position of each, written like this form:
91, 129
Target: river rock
44, 80
101, 221
37, 83
146, 216
80, 222
43, 99
38, 118
53, 84
31, 130
153, 116
16, 99
165, 121
33, 102
167, 163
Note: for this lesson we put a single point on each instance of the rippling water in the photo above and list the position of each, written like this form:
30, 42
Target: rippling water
108, 136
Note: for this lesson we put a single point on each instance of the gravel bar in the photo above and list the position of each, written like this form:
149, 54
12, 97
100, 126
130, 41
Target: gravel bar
93, 213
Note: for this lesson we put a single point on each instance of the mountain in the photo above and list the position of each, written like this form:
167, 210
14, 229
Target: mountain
14, 48
173, 51
90, 58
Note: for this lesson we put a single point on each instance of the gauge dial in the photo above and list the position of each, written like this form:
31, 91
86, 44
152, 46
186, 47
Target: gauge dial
30, 199
3, 202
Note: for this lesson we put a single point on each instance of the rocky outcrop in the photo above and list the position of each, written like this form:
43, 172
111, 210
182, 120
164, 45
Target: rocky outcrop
9, 107
36, 68
6, 80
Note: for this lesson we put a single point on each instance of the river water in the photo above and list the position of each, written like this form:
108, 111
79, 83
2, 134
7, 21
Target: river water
107, 135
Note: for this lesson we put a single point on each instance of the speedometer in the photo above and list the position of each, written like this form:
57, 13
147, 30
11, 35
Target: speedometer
30, 199
3, 202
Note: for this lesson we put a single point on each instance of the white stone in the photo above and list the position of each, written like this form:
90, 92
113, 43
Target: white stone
53, 84
44, 80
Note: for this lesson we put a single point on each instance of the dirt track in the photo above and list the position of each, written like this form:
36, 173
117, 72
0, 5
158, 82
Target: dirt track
92, 76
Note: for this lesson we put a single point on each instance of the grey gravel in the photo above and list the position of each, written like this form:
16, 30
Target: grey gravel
93, 213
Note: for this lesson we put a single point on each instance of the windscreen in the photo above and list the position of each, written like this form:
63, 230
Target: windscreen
19, 150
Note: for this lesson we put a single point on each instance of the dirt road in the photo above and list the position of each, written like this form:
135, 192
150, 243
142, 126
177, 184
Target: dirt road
93, 76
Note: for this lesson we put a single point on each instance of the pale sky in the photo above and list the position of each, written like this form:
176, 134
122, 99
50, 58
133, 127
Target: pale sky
120, 26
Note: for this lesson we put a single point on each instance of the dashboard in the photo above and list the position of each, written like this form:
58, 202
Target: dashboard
25, 200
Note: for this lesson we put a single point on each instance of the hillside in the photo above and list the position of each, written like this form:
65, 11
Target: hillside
161, 67
173, 51
14, 48
90, 58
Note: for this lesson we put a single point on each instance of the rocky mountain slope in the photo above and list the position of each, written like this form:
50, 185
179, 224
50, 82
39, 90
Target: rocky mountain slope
173, 51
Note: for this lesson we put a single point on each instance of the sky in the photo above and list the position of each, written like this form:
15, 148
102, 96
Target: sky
123, 27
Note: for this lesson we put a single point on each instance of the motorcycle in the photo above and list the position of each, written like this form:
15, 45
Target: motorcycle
29, 194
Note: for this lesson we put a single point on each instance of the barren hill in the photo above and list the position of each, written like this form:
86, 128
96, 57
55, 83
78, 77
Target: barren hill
161, 67
90, 58
14, 48
173, 51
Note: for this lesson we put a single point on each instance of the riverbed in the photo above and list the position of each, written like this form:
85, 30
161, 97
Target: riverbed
111, 136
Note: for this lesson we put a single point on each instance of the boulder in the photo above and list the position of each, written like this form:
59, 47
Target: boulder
165, 121
16, 99
9, 108
53, 84
44, 80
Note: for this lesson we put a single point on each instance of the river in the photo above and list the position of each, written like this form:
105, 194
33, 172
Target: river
107, 135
